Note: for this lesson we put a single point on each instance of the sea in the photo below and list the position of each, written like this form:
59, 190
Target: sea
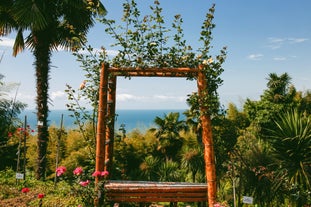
131, 119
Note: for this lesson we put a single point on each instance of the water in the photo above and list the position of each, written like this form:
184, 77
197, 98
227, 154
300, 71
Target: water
132, 119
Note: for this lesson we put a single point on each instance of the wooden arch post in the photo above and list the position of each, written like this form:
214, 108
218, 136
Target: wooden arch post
207, 139
101, 129
106, 116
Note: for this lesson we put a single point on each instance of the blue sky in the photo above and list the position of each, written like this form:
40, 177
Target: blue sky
267, 36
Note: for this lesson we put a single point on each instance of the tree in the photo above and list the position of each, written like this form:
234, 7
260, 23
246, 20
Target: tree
168, 134
290, 139
50, 24
278, 87
192, 159
9, 111
278, 96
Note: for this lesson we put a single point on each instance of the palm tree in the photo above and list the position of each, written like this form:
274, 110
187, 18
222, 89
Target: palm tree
278, 86
193, 160
290, 139
49, 25
150, 167
168, 134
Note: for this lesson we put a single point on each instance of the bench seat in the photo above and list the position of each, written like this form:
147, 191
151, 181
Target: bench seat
146, 191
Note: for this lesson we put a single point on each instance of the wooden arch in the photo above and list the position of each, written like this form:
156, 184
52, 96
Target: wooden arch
106, 114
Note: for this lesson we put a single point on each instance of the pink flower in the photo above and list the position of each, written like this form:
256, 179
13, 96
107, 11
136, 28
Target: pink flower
40, 195
25, 190
100, 173
60, 170
78, 171
104, 173
96, 174
84, 183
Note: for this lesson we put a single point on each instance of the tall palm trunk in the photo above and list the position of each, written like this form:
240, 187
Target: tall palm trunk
42, 61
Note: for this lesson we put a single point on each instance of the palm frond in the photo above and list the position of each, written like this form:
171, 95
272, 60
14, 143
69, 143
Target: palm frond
19, 44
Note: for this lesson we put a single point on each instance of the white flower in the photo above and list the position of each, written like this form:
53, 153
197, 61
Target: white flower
208, 61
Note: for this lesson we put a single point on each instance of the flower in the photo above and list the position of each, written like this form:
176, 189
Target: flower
60, 170
100, 173
104, 173
25, 190
78, 171
82, 85
208, 61
84, 183
96, 174
40, 195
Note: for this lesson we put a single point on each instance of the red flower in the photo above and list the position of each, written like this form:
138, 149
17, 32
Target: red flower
104, 173
100, 173
78, 171
60, 170
40, 195
84, 183
25, 190
96, 173
10, 134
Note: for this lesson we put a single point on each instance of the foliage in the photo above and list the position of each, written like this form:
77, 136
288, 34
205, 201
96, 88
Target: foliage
9, 111
290, 140
279, 95
167, 132
11, 192
48, 25
82, 183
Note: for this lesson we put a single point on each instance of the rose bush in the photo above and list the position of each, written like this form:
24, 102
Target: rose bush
84, 185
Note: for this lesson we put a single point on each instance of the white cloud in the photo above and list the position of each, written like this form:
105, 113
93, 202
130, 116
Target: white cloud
170, 98
127, 97
255, 56
147, 99
279, 58
276, 43
57, 94
6, 42
297, 40
110, 53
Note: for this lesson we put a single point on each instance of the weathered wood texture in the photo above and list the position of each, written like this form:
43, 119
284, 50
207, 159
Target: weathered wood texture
143, 191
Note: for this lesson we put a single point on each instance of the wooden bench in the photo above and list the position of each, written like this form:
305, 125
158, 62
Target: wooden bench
145, 191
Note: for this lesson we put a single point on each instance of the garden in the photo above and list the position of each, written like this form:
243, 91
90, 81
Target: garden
262, 150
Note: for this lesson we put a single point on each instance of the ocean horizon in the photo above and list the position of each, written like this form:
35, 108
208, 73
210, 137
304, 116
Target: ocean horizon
141, 119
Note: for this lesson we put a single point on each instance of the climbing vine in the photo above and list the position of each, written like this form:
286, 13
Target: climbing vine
145, 41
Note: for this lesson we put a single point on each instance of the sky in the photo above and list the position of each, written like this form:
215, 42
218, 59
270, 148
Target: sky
262, 37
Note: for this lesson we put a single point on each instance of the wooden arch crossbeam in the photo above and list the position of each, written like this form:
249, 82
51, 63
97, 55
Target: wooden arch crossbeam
106, 114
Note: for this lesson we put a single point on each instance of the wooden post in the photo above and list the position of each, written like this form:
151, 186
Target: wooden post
111, 108
207, 140
101, 128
